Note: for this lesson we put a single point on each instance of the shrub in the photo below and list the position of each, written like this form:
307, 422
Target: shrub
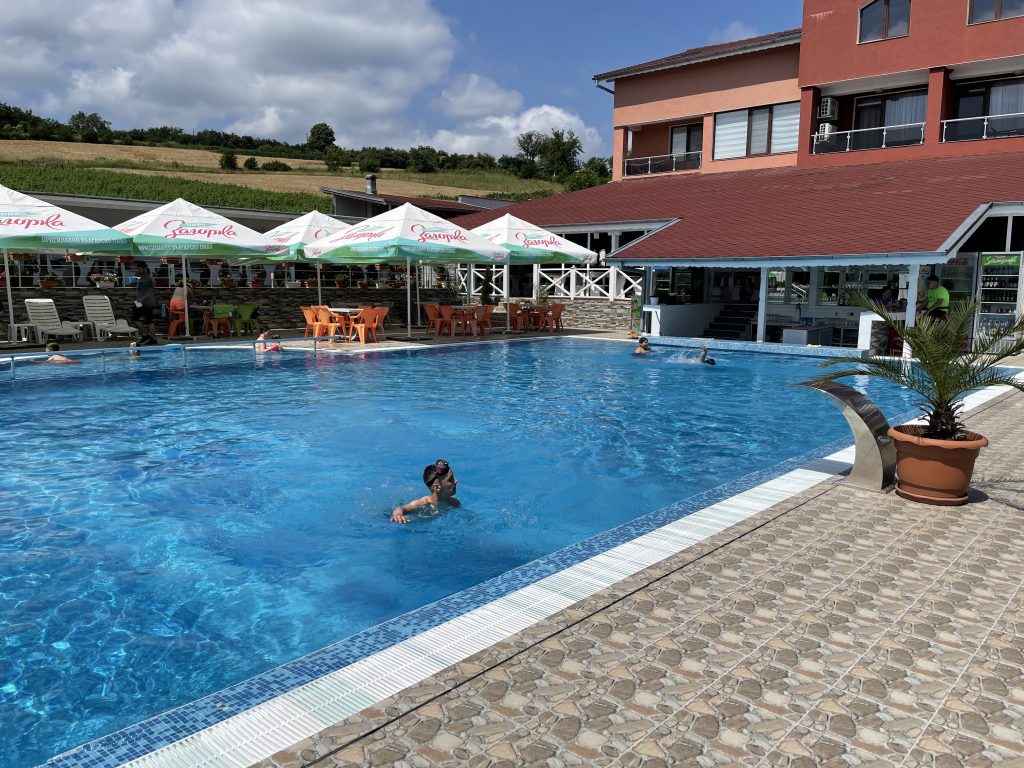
369, 162
228, 161
251, 164
582, 180
276, 165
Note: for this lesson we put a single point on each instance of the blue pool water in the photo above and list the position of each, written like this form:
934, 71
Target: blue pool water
165, 534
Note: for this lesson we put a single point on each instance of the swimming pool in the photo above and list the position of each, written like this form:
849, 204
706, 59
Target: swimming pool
167, 534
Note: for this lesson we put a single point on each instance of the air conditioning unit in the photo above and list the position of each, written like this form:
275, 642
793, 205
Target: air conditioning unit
828, 109
825, 132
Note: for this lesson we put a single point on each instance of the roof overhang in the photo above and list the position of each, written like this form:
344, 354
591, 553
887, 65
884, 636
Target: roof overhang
788, 262
972, 222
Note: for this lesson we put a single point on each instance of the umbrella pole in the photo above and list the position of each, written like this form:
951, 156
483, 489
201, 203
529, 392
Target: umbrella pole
408, 296
10, 301
419, 307
184, 288
319, 297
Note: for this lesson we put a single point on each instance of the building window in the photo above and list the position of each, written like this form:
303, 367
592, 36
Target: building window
987, 110
757, 131
687, 138
883, 19
891, 120
990, 10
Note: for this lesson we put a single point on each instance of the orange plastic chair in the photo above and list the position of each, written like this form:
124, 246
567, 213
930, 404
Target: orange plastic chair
433, 317
177, 310
330, 324
311, 321
552, 318
218, 318
518, 318
485, 321
447, 320
367, 323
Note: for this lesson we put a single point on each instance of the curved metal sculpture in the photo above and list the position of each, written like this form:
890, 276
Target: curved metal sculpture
874, 465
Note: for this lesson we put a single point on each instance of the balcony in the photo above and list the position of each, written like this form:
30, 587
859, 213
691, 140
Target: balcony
885, 137
980, 128
640, 166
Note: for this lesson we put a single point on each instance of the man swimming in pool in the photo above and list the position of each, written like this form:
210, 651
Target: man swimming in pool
703, 357
643, 347
441, 481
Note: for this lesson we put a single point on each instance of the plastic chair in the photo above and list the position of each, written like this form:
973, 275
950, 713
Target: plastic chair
244, 320
518, 318
485, 321
552, 318
368, 323
218, 319
100, 314
177, 310
433, 317
330, 324
42, 313
447, 319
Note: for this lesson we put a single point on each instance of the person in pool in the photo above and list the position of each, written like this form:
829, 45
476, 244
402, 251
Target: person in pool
643, 347
441, 481
703, 357
58, 359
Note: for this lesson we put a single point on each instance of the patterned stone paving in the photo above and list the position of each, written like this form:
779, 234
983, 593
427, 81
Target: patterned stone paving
840, 628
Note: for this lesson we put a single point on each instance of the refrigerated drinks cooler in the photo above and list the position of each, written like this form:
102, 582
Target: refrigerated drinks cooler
998, 291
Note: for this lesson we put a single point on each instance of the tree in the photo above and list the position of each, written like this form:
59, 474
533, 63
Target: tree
529, 144
251, 164
89, 127
559, 153
335, 158
369, 161
320, 138
423, 160
582, 179
600, 166
228, 161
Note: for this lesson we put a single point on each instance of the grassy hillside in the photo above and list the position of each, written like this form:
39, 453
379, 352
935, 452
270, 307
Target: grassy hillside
160, 173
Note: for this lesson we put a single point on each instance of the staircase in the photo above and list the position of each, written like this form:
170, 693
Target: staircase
733, 322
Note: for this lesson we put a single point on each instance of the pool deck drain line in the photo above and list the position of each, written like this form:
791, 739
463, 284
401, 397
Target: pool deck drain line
276, 724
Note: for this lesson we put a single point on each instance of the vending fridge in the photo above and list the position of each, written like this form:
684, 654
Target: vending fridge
999, 298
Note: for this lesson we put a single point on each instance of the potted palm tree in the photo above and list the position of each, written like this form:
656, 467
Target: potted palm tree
935, 460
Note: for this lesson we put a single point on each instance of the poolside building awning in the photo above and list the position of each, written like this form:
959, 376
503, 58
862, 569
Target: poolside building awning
904, 212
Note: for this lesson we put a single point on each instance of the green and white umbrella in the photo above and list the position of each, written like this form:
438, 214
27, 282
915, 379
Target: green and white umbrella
404, 235
530, 244
187, 231
28, 224
295, 235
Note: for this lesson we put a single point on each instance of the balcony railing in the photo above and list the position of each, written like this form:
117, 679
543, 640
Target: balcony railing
987, 127
870, 138
638, 166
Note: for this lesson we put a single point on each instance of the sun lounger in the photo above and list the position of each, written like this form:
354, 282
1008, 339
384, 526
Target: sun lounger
42, 313
99, 312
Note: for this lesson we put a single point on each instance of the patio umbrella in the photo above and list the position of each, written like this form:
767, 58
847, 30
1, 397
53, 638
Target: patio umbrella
185, 230
530, 244
28, 224
403, 235
295, 235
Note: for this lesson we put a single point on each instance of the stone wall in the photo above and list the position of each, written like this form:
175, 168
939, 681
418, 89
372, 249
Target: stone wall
279, 307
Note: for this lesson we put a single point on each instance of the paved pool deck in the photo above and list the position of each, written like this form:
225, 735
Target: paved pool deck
841, 627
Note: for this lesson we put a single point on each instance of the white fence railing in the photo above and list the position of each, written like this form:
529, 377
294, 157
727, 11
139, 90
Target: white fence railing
556, 282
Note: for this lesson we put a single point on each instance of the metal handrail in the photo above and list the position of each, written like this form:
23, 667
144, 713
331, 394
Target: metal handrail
638, 166
819, 140
984, 126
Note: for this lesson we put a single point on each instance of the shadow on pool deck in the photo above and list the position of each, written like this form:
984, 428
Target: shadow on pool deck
841, 627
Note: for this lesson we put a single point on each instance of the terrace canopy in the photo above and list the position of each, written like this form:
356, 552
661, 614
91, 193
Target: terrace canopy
184, 230
403, 235
28, 224
296, 235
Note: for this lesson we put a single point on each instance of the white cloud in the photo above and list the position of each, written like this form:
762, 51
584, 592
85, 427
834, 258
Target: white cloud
475, 96
497, 133
734, 30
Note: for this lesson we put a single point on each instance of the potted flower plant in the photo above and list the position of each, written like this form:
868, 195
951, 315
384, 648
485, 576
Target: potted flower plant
50, 280
227, 281
935, 460
104, 280
256, 282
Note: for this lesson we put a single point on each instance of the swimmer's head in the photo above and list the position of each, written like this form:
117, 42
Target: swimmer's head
643, 341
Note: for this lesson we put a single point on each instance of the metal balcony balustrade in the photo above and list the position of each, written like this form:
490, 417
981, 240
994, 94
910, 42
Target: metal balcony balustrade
639, 166
883, 137
985, 127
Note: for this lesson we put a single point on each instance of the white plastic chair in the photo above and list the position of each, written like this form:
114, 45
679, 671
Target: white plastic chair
99, 312
42, 313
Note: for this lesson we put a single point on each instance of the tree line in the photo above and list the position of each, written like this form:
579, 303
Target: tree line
554, 156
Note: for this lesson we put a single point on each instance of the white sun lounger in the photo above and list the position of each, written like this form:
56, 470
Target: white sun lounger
42, 313
99, 312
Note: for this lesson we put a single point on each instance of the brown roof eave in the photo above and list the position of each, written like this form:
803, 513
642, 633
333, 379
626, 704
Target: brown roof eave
781, 40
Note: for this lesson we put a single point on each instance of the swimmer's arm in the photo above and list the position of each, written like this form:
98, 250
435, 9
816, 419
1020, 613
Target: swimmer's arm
398, 514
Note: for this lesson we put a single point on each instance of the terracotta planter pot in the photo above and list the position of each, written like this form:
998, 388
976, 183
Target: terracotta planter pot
125, 259
934, 471
47, 283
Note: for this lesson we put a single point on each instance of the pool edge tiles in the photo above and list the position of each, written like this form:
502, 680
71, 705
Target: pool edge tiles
245, 724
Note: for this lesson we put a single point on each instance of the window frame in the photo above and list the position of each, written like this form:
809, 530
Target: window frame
885, 22
689, 129
882, 98
768, 134
997, 14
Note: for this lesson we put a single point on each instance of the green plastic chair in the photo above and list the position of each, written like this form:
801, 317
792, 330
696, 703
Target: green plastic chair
244, 321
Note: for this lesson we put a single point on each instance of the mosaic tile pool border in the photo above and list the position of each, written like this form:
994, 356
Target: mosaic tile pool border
768, 348
157, 734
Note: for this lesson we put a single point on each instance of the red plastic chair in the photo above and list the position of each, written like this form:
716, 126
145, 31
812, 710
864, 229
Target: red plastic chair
177, 310
518, 318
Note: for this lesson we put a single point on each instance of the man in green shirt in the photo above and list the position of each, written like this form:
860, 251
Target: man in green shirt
936, 299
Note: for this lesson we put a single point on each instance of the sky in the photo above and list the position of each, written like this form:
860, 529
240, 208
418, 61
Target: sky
460, 75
